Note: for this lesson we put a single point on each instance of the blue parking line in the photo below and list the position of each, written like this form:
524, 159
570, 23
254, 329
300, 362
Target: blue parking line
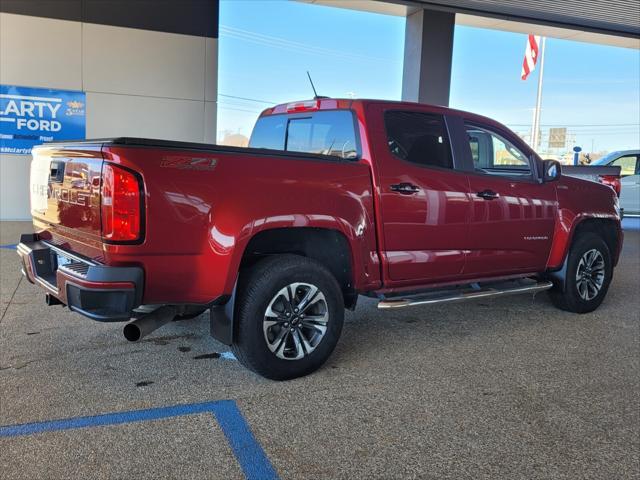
250, 456
248, 452
11, 246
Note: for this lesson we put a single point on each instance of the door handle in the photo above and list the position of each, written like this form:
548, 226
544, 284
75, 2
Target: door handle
488, 194
405, 188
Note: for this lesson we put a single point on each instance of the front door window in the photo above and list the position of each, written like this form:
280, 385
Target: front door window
495, 155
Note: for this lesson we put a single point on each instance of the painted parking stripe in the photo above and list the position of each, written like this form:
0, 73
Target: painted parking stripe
10, 246
253, 461
250, 456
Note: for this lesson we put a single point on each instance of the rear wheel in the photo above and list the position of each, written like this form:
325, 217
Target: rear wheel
589, 271
289, 317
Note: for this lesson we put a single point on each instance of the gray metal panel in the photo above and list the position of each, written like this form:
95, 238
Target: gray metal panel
188, 17
619, 17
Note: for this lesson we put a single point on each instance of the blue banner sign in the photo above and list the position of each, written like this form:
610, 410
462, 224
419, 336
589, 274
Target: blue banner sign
31, 116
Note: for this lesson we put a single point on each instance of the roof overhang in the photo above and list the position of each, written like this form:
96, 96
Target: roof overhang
615, 23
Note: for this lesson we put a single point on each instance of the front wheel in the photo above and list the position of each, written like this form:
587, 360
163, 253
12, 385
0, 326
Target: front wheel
289, 317
589, 272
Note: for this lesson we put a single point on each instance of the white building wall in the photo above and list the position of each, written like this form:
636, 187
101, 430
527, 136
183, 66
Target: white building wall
138, 83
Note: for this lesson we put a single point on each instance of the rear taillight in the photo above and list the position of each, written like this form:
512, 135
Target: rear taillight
613, 181
120, 205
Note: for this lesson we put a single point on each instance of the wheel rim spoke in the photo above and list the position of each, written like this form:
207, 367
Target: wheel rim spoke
288, 297
322, 318
271, 313
321, 329
278, 341
307, 346
298, 344
580, 269
582, 289
307, 299
271, 323
283, 344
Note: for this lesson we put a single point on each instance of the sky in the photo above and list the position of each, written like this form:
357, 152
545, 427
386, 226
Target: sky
266, 47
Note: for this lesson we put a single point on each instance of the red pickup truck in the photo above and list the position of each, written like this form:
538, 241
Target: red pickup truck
411, 204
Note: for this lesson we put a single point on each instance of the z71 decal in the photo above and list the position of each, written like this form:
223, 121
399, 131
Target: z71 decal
189, 163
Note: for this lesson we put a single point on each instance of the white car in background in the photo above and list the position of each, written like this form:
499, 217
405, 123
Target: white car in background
629, 163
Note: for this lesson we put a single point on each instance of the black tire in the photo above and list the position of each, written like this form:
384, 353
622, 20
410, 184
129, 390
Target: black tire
256, 290
570, 299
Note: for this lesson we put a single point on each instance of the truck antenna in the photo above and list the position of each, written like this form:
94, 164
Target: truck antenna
315, 94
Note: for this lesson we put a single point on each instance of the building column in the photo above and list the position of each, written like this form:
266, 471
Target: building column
428, 50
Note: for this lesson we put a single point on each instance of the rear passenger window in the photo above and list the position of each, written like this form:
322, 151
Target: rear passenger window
419, 138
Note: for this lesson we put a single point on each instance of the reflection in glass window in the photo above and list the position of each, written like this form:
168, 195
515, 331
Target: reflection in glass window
269, 132
496, 155
329, 132
505, 154
627, 165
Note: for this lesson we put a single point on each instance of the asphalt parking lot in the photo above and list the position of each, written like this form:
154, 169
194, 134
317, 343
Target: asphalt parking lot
508, 388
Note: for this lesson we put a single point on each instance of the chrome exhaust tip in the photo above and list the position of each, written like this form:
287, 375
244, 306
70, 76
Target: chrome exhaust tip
143, 326
51, 300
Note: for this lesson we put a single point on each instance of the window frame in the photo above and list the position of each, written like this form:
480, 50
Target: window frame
310, 114
534, 173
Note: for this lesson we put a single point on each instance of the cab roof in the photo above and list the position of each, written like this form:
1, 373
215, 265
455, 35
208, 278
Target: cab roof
328, 103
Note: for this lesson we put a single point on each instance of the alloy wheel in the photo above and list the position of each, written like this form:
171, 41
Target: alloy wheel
295, 321
590, 274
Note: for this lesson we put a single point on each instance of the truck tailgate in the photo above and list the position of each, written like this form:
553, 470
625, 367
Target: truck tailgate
606, 175
65, 195
587, 172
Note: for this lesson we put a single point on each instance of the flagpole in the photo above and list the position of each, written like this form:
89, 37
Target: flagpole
535, 135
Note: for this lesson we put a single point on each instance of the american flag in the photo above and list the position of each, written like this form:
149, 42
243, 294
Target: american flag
530, 56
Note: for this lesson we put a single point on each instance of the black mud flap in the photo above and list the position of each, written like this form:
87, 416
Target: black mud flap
221, 319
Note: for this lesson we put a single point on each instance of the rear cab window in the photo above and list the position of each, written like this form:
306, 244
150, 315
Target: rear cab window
329, 132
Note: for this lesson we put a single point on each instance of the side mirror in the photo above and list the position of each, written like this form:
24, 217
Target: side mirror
551, 170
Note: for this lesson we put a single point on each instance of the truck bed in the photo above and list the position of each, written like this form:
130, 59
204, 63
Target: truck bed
205, 147
199, 206
587, 172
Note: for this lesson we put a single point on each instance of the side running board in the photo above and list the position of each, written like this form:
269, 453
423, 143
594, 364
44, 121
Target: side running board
467, 292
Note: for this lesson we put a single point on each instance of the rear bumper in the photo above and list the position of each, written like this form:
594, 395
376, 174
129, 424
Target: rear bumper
100, 292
